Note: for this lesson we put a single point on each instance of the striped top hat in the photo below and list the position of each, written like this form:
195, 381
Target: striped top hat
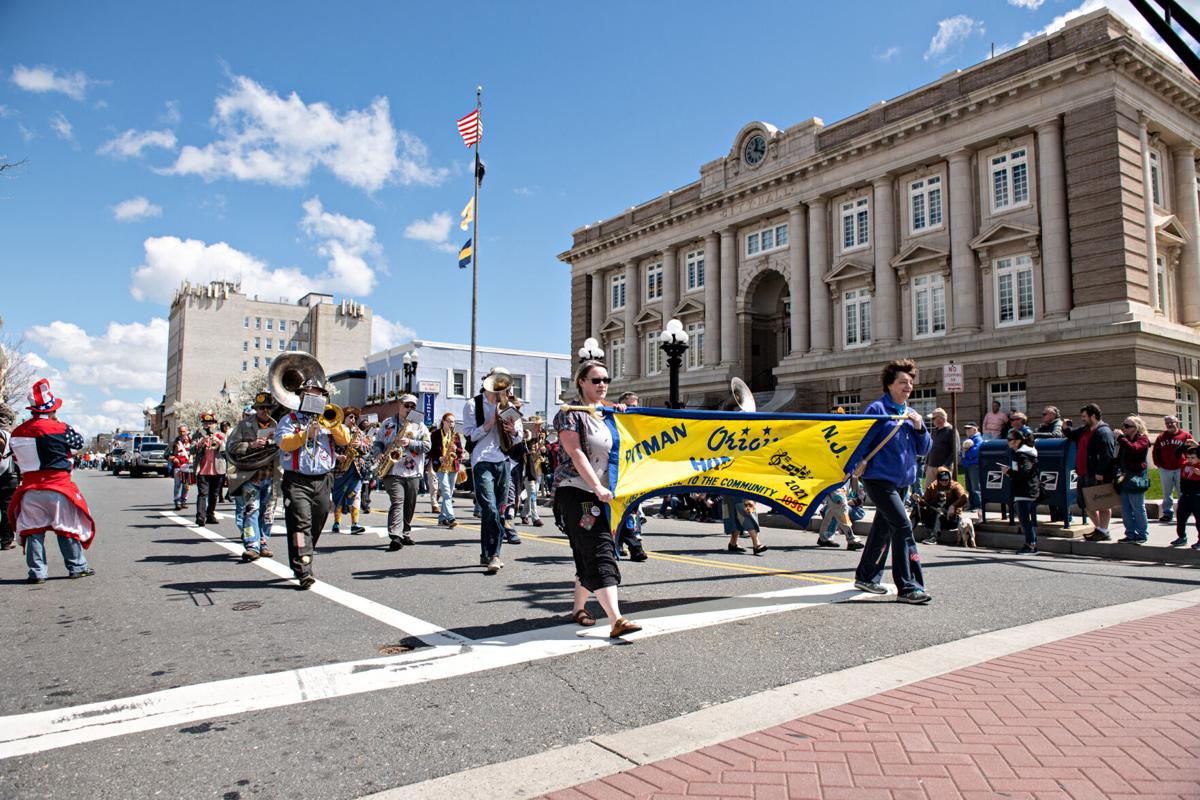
41, 399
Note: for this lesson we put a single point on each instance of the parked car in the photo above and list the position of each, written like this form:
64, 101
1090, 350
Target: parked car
150, 458
115, 461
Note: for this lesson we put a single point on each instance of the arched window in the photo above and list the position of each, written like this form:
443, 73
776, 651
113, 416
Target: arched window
1186, 407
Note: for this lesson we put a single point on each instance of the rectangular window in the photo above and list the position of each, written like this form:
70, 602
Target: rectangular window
1009, 394
295, 346
257, 343
268, 361
695, 352
923, 401
925, 204
857, 305
283, 325
616, 293
258, 323
1010, 180
762, 241
270, 324
695, 270
244, 367
1014, 290
751, 244
269, 343
282, 345
245, 346
654, 282
856, 225
654, 355
564, 389
246, 323
1156, 187
929, 305
781, 235
850, 402
1160, 279
616, 358
518, 387
256, 362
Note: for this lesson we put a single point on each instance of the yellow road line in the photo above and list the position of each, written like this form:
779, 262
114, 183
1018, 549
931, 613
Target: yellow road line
696, 561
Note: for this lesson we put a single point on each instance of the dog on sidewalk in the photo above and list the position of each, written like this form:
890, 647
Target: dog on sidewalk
966, 532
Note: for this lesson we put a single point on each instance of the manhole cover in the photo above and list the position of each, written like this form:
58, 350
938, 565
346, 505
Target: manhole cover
247, 605
394, 649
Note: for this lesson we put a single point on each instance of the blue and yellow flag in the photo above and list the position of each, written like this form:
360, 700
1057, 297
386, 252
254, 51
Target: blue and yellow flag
465, 254
788, 461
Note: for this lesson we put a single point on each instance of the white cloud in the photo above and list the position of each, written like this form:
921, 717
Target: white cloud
434, 231
46, 79
951, 32
124, 357
62, 127
131, 143
1127, 12
1032, 5
135, 209
278, 140
6, 112
170, 114
386, 334
27, 134
348, 244
888, 54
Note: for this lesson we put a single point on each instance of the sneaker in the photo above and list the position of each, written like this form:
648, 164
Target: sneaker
493, 565
1179, 542
514, 539
306, 581
1141, 540
1098, 536
8, 546
537, 523
452, 524
86, 573
1196, 546
357, 530
394, 545
854, 545
35, 579
407, 540
199, 523
265, 552
483, 561
916, 598
211, 520
250, 555
1167, 518
638, 554
337, 528
1026, 550
826, 543
869, 587
524, 520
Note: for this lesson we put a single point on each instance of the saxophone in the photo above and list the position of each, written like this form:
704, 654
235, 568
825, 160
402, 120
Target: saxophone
449, 440
390, 457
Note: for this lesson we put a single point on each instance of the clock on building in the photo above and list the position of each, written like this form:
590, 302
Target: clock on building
755, 150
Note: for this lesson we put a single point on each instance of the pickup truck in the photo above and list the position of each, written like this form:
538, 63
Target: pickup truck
150, 458
115, 460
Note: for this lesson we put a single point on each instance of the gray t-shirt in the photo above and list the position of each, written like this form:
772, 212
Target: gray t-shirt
595, 439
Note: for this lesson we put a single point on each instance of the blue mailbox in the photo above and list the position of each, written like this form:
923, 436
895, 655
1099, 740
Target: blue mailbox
994, 485
1056, 462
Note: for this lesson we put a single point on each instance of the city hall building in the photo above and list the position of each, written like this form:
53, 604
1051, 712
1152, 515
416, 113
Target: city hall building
1032, 218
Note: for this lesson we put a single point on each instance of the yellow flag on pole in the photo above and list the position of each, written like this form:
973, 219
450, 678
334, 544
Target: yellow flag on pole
468, 214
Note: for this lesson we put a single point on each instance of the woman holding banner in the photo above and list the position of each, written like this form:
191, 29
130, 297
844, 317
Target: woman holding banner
580, 496
891, 468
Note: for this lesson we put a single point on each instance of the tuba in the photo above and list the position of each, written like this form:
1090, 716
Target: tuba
288, 373
500, 381
742, 396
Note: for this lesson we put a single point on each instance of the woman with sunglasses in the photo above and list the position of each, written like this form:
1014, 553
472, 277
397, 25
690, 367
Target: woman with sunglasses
581, 497
1133, 479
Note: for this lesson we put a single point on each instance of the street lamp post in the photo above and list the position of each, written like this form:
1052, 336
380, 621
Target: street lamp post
674, 342
410, 371
591, 350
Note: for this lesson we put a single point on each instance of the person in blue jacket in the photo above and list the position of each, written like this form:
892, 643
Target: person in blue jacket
971, 442
889, 474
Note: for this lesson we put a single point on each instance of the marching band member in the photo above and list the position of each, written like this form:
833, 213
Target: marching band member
581, 493
47, 500
348, 472
410, 436
181, 462
368, 476
446, 454
307, 460
252, 488
533, 472
489, 464
209, 475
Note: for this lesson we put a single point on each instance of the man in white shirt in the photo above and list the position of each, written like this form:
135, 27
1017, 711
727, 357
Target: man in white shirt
489, 462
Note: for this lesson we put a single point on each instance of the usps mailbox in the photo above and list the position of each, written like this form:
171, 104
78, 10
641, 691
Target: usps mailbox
1056, 463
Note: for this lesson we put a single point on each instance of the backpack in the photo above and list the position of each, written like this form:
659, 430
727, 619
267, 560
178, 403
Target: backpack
478, 421
8, 466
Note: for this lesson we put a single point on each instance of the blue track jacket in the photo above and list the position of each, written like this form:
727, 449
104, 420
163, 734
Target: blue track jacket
896, 463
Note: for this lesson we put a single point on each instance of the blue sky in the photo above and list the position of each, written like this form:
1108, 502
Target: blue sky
303, 145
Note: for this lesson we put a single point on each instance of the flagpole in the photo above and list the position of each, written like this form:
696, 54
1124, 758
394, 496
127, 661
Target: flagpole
475, 248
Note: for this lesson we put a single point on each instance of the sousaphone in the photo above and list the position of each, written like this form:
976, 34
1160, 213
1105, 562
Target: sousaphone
288, 373
742, 396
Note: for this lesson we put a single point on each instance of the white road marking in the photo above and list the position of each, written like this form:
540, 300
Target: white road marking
425, 631
44, 730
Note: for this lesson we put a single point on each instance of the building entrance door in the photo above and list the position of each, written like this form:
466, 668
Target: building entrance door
768, 330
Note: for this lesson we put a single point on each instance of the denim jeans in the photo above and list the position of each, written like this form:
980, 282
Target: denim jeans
491, 482
974, 499
255, 497
239, 517
529, 506
181, 486
35, 554
446, 481
1133, 514
1170, 485
1027, 516
890, 529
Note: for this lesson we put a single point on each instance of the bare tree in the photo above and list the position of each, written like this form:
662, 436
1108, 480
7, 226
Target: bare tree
16, 371
7, 165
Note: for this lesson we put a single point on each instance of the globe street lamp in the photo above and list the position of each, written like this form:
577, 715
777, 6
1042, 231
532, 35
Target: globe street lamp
410, 371
591, 350
674, 341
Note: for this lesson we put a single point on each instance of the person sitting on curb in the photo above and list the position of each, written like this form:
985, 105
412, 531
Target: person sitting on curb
940, 508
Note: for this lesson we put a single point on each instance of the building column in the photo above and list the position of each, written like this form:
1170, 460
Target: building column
712, 301
964, 275
1052, 196
729, 270
798, 276
885, 324
633, 299
670, 293
820, 336
598, 304
1148, 207
1187, 209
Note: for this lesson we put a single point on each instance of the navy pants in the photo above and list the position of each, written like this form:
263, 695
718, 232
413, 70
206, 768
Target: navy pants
890, 529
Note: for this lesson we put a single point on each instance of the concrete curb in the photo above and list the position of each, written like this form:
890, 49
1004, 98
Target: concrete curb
600, 756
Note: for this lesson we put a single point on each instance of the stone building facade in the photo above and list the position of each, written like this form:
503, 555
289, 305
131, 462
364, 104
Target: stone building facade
1033, 218
218, 337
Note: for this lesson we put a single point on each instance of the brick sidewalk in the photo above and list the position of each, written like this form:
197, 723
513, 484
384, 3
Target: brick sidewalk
1106, 715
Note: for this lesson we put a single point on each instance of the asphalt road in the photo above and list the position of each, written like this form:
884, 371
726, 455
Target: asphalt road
169, 608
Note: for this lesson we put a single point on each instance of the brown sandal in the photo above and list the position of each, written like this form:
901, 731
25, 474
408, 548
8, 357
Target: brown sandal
582, 617
623, 626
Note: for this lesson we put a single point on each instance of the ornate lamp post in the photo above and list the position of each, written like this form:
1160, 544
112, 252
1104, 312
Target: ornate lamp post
410, 371
674, 342
591, 350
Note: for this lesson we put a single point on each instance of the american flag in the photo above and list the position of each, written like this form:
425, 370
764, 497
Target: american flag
470, 128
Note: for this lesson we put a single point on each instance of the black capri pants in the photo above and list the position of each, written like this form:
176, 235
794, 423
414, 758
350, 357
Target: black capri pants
592, 542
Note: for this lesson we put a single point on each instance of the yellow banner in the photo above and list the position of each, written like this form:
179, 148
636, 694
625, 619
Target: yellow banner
789, 461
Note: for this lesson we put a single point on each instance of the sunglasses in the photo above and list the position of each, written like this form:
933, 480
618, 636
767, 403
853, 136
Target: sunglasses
1129, 427
598, 381
410, 405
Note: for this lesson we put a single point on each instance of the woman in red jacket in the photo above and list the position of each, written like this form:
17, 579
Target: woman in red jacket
1133, 478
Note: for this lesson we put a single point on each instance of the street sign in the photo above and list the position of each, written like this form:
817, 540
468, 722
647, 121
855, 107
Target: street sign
427, 406
429, 387
952, 378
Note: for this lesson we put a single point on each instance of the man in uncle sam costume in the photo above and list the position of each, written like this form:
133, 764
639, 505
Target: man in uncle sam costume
47, 499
